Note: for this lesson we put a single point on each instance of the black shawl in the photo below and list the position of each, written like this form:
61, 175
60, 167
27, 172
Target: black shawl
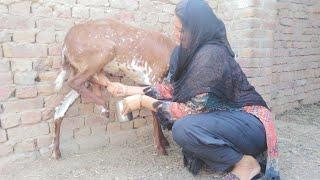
204, 61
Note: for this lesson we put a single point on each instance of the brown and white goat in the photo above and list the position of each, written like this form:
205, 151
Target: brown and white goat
96, 47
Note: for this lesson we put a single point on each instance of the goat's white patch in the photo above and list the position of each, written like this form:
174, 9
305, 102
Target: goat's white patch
136, 70
65, 104
62, 75
59, 80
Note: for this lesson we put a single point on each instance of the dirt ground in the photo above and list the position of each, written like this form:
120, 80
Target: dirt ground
299, 137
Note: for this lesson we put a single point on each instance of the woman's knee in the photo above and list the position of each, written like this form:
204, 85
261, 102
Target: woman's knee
179, 131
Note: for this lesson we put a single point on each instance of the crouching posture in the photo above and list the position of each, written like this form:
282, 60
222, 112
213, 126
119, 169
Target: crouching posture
216, 115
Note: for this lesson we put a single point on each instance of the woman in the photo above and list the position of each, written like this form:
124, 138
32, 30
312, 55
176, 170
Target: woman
216, 116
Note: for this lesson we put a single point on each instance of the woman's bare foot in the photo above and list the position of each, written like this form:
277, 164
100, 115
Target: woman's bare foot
246, 168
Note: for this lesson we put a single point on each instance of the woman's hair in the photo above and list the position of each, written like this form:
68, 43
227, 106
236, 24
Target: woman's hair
200, 26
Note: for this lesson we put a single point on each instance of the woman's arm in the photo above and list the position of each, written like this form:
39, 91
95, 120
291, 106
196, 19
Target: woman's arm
120, 90
161, 91
158, 91
167, 111
173, 110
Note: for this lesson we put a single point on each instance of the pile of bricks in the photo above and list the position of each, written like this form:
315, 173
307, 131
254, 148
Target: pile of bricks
276, 43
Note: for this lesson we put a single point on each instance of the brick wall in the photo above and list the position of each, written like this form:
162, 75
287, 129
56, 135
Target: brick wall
31, 34
277, 44
296, 66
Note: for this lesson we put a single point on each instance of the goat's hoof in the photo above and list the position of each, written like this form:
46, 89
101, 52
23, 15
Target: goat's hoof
162, 152
165, 142
56, 154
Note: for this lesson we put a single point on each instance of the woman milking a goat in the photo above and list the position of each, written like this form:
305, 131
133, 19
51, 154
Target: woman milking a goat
215, 114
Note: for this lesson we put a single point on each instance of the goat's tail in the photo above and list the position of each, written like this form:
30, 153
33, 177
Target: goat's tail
64, 71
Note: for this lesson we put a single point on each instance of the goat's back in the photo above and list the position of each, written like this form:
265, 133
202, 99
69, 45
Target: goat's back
143, 55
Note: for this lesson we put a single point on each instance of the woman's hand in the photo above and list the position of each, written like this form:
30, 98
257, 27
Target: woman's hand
117, 89
131, 103
138, 101
121, 90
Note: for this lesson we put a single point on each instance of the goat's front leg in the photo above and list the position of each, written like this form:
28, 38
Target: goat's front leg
164, 141
158, 136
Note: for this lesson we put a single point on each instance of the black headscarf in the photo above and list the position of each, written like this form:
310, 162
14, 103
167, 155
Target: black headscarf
200, 26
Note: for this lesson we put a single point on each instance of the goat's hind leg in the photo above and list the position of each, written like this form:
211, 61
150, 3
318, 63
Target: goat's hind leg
60, 111
95, 65
78, 83
114, 88
96, 88
56, 141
